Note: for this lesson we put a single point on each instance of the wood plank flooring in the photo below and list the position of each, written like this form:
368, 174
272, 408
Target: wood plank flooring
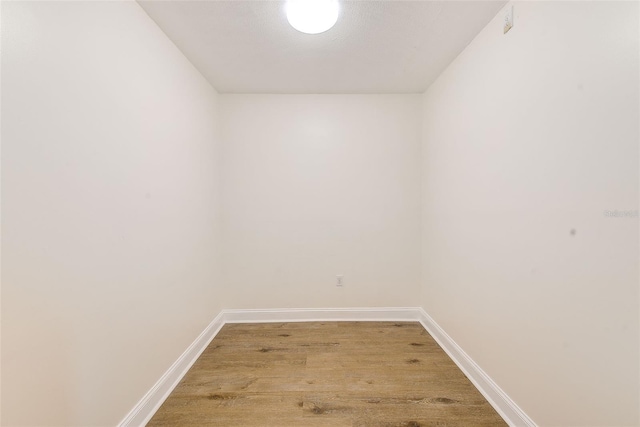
353, 374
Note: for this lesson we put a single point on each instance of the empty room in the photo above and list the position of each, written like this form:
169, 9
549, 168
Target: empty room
319, 213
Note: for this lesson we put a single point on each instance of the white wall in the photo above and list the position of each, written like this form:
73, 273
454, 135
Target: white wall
320, 185
111, 164
528, 136
110, 210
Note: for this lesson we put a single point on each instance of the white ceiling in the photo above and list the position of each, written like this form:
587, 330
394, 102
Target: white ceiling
375, 47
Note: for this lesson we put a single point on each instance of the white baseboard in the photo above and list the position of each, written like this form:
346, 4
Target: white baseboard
507, 408
150, 403
388, 314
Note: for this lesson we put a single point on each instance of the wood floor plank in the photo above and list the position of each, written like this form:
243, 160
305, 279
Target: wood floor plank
386, 374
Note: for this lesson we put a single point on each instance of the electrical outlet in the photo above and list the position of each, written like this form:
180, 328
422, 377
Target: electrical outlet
339, 280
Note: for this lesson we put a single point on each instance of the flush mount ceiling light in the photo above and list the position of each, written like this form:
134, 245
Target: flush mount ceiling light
312, 16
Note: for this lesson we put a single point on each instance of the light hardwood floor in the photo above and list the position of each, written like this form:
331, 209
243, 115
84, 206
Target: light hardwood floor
325, 374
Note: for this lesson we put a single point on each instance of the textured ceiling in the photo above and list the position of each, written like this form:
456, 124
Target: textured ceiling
375, 47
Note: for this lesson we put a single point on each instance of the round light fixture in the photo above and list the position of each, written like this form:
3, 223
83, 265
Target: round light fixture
312, 16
